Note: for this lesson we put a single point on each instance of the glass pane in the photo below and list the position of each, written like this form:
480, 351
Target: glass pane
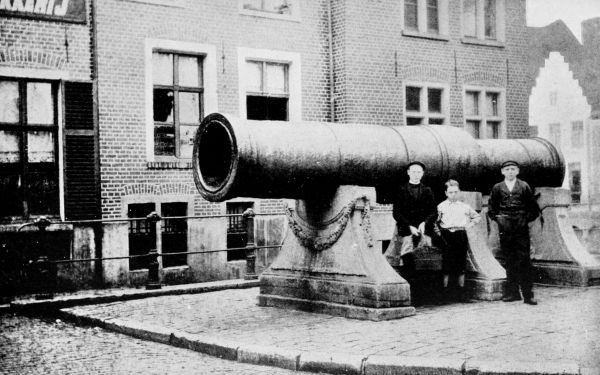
40, 147
162, 68
470, 18
42, 187
186, 141
434, 98
11, 193
491, 104
254, 76
413, 98
253, 4
472, 128
490, 19
577, 134
413, 121
493, 129
410, 15
276, 79
163, 105
189, 73
9, 147
9, 105
277, 6
40, 106
436, 121
472, 103
432, 16
164, 140
189, 107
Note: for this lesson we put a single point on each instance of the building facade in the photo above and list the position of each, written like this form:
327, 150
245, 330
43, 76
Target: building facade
156, 67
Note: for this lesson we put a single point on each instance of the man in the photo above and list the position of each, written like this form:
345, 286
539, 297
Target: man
414, 205
512, 205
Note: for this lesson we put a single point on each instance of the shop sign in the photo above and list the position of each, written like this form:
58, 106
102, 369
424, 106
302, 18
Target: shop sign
55, 10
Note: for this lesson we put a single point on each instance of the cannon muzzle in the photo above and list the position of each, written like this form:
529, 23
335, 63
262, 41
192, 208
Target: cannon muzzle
278, 159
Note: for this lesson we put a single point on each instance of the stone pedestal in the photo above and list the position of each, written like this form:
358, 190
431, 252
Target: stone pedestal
329, 262
558, 255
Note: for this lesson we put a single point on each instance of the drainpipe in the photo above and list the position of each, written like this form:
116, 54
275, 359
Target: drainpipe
331, 66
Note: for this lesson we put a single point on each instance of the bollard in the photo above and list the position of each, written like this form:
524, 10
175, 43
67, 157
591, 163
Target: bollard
250, 246
153, 281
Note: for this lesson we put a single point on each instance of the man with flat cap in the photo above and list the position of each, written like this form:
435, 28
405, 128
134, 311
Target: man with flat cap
414, 206
513, 205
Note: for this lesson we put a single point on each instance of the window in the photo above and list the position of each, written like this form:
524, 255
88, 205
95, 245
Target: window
237, 231
267, 91
142, 234
177, 102
427, 17
554, 134
425, 105
483, 19
577, 134
484, 114
28, 148
575, 181
270, 6
174, 234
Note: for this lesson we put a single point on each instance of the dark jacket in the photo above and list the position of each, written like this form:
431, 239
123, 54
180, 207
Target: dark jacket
409, 211
519, 201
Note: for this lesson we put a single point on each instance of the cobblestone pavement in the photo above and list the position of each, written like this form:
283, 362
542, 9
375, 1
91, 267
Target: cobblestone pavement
565, 326
35, 346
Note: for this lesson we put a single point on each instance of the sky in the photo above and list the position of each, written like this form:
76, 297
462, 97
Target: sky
572, 12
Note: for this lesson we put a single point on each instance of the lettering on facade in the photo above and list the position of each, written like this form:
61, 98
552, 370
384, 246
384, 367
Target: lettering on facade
57, 10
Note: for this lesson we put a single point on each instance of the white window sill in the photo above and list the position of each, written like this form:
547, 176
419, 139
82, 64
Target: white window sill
258, 13
430, 36
482, 42
169, 164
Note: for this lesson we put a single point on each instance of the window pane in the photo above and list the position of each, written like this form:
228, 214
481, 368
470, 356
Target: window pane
141, 236
162, 68
490, 19
186, 141
189, 107
432, 16
9, 105
491, 104
40, 147
434, 98
577, 134
575, 181
277, 6
164, 140
276, 79
472, 127
40, 106
11, 193
470, 18
42, 186
174, 234
493, 129
189, 71
436, 121
163, 105
413, 121
472, 103
410, 15
413, 98
555, 134
9, 147
254, 76
267, 108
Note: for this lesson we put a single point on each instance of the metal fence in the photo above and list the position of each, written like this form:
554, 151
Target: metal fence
42, 272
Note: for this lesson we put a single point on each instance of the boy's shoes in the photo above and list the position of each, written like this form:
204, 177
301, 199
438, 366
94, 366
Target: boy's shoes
531, 301
511, 298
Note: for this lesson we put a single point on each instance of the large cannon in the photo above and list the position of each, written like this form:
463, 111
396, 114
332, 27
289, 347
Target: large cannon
328, 262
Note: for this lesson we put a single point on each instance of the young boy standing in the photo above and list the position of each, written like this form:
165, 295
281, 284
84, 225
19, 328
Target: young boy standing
454, 218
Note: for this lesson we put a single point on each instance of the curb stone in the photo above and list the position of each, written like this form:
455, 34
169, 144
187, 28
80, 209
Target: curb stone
331, 363
268, 356
479, 367
205, 344
386, 365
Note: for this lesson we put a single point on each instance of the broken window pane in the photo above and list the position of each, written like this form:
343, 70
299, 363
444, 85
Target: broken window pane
164, 140
162, 68
9, 147
40, 106
9, 105
186, 141
163, 105
188, 71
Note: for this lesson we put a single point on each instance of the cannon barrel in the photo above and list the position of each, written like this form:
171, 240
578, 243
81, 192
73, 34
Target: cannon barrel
276, 159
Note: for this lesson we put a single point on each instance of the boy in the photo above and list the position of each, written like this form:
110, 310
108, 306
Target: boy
454, 217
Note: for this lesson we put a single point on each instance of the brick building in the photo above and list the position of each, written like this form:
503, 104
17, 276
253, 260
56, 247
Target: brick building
159, 66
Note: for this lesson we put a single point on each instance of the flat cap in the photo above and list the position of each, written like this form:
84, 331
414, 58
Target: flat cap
415, 163
509, 163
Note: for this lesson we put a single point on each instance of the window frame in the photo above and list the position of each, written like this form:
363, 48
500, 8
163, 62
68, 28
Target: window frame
577, 135
480, 37
424, 114
422, 30
22, 128
482, 117
209, 84
555, 137
294, 5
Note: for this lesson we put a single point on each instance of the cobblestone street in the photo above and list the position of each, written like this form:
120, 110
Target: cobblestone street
564, 327
36, 346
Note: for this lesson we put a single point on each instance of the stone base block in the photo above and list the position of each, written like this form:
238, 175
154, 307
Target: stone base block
486, 290
346, 311
566, 274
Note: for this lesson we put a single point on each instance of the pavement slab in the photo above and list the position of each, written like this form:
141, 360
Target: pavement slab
562, 331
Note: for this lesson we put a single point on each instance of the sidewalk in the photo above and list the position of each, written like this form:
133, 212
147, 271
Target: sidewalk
559, 336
